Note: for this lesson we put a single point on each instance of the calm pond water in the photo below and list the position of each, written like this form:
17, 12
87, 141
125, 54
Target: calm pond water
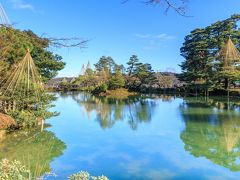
147, 137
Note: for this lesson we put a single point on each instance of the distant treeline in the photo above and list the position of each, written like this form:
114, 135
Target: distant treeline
108, 75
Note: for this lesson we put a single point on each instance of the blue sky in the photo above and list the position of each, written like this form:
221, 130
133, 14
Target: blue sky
115, 29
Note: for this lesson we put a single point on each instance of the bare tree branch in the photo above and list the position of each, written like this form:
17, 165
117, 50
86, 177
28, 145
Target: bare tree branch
68, 42
178, 6
73, 42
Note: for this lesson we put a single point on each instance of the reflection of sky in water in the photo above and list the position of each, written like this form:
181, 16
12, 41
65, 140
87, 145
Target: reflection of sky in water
153, 151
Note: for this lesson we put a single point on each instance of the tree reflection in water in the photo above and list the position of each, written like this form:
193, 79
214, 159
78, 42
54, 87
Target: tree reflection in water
212, 130
134, 110
34, 149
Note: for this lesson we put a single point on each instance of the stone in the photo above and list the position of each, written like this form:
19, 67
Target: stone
6, 122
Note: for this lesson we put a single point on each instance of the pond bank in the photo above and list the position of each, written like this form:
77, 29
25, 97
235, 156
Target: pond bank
126, 93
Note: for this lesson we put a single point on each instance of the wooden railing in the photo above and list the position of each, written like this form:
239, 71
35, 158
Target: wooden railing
6, 106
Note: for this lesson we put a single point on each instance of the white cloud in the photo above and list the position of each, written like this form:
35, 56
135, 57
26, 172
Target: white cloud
20, 4
162, 36
165, 37
154, 42
143, 36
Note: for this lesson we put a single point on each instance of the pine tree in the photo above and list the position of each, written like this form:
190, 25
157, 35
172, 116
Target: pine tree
200, 50
132, 64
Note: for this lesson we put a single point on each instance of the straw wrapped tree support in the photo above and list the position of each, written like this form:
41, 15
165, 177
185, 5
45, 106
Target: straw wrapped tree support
22, 72
23, 96
229, 61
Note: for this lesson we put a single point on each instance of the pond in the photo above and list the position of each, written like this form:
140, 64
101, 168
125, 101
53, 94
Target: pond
144, 137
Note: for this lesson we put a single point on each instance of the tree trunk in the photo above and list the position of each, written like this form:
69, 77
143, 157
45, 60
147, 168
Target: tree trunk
226, 83
228, 88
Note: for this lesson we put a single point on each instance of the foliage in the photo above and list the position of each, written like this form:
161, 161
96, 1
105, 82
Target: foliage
13, 170
89, 81
14, 44
165, 81
117, 81
133, 63
29, 110
138, 77
139, 74
100, 89
200, 49
106, 64
32, 104
108, 75
65, 84
198, 63
119, 93
145, 74
86, 176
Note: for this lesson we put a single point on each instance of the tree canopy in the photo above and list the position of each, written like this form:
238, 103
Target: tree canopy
13, 46
25, 63
202, 64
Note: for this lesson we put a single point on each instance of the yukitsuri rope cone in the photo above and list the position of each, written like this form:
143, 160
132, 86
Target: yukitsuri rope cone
229, 54
23, 83
229, 57
4, 20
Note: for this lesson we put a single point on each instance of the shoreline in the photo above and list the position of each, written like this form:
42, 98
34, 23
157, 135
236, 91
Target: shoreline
159, 92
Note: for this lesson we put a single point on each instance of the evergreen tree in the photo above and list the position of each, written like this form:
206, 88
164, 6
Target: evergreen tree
106, 64
132, 64
200, 51
198, 65
117, 80
229, 61
145, 74
13, 46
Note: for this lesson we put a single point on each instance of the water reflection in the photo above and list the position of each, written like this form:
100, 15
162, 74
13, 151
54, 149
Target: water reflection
155, 150
36, 150
108, 112
212, 130
134, 110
